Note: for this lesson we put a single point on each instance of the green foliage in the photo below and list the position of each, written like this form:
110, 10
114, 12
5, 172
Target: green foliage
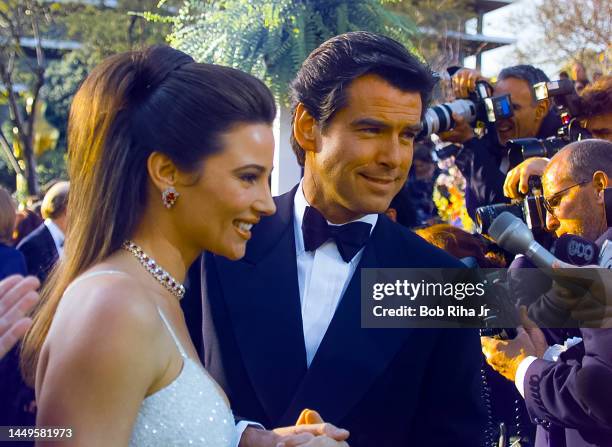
106, 31
63, 79
101, 32
52, 165
7, 175
270, 39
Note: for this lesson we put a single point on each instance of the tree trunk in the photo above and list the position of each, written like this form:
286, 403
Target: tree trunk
30, 169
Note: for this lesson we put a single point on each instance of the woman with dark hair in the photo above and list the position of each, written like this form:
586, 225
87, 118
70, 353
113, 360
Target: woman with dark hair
26, 222
167, 158
462, 244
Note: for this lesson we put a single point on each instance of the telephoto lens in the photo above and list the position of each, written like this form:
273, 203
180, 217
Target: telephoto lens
521, 149
440, 118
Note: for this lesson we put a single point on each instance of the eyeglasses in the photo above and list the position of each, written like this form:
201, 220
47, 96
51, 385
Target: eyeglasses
553, 202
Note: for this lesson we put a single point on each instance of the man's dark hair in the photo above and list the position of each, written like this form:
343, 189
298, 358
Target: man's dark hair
527, 73
596, 98
324, 77
589, 156
422, 152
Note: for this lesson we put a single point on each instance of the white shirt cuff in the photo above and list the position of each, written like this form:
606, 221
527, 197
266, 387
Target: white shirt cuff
521, 371
553, 352
242, 426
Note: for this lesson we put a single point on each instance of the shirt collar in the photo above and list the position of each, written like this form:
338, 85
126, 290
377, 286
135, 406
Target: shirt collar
56, 233
299, 206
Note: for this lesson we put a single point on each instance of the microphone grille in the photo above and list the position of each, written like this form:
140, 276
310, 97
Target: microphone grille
501, 223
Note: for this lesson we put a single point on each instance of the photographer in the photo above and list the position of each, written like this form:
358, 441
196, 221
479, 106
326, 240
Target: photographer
483, 161
567, 398
596, 117
596, 103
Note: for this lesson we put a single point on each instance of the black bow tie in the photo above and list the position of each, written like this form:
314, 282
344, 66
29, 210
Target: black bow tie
349, 238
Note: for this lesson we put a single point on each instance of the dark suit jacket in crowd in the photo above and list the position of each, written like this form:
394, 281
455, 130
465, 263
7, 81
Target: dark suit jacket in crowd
15, 396
571, 399
479, 162
12, 262
389, 387
39, 251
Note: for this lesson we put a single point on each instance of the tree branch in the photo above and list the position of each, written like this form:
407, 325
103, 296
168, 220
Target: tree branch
16, 116
8, 154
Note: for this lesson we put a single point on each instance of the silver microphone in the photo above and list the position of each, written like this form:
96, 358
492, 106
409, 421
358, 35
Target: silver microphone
513, 235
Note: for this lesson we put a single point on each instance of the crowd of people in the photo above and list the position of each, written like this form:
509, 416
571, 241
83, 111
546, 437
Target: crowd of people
181, 304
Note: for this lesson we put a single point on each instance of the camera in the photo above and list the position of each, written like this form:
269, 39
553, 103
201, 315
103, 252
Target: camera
568, 105
450, 150
521, 149
563, 95
480, 106
530, 210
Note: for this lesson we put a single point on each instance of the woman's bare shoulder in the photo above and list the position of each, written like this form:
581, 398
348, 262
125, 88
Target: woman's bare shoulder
113, 299
105, 343
108, 317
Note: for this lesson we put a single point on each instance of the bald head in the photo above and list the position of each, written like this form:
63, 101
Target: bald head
574, 183
581, 159
56, 200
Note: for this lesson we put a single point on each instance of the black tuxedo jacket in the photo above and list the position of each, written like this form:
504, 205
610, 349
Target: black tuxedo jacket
389, 387
39, 251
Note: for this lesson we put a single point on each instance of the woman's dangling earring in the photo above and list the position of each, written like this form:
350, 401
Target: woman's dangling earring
169, 197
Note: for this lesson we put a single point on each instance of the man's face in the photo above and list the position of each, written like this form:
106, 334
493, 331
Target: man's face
423, 169
525, 123
600, 126
362, 158
575, 206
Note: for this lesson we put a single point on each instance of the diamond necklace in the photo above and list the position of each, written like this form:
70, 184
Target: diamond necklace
162, 276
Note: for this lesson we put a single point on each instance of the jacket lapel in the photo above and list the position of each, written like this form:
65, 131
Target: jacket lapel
263, 300
350, 358
49, 249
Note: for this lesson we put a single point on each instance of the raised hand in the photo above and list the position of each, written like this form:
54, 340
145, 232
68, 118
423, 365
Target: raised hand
590, 303
517, 180
461, 133
504, 356
534, 332
464, 82
17, 297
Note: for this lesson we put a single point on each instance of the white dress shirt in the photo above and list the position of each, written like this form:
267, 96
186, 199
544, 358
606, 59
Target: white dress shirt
323, 276
320, 297
552, 355
57, 234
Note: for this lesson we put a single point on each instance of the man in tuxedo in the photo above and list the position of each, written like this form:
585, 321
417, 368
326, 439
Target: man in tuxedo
44, 246
568, 397
282, 327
